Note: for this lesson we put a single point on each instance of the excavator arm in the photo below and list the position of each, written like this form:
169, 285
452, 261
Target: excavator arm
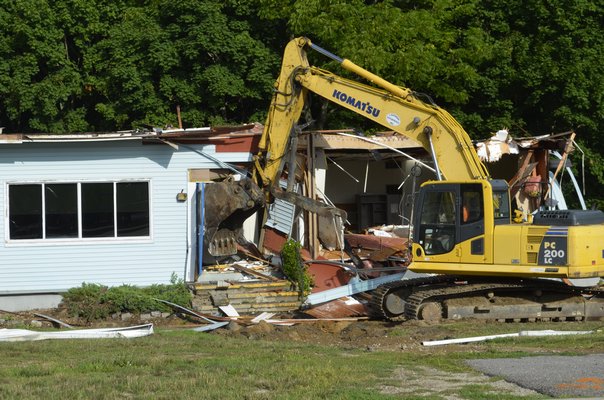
396, 108
391, 106
445, 242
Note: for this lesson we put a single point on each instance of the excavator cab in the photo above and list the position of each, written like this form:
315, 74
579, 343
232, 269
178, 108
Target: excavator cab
454, 220
465, 228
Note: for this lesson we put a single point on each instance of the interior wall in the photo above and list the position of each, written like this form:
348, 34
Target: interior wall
341, 188
344, 191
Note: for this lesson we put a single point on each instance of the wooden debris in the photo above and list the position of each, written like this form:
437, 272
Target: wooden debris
255, 273
247, 297
185, 310
262, 317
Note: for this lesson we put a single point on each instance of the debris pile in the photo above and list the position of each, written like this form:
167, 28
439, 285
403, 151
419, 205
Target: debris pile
340, 279
250, 287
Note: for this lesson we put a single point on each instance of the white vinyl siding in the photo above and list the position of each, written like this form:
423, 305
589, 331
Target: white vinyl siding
281, 213
56, 265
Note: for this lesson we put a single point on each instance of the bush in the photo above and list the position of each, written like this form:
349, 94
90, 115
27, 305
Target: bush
85, 302
294, 269
93, 301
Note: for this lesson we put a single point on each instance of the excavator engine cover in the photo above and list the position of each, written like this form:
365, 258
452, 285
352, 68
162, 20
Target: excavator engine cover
569, 217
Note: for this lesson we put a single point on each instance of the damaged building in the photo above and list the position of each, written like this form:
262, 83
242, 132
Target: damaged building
127, 208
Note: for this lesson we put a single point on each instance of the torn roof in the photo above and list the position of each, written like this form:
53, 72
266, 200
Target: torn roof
492, 149
170, 133
227, 139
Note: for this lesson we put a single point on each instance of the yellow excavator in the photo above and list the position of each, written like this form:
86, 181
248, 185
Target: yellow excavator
480, 264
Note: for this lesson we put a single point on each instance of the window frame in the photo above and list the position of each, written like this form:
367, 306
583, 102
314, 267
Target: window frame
115, 239
438, 234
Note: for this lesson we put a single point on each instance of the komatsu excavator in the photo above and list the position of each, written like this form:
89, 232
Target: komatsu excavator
479, 263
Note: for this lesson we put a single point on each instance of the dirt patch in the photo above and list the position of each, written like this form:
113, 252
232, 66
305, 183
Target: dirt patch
364, 334
368, 335
430, 382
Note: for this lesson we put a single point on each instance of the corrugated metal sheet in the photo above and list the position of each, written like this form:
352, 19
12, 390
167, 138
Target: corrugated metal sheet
281, 214
55, 266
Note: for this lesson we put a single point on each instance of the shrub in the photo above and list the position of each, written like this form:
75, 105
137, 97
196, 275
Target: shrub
93, 301
294, 269
86, 302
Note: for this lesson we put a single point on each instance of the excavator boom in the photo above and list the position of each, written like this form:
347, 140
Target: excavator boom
391, 106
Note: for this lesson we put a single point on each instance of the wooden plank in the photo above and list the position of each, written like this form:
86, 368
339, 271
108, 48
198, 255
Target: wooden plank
262, 317
246, 285
255, 273
523, 172
255, 308
185, 310
262, 294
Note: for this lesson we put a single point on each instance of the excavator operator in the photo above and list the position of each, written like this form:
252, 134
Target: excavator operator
471, 207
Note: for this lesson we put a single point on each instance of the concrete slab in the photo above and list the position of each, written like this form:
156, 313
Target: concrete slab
556, 376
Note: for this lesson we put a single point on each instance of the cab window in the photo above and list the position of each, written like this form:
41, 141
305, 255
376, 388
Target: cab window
501, 206
437, 222
471, 205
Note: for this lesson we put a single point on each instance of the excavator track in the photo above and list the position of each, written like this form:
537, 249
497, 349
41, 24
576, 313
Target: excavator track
447, 297
388, 300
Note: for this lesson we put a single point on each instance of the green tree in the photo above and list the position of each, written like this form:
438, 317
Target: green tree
39, 83
412, 44
556, 82
199, 55
75, 65
530, 66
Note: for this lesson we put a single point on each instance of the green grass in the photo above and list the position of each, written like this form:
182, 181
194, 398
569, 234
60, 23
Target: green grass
189, 365
186, 365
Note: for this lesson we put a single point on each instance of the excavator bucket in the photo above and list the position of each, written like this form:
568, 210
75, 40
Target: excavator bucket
227, 205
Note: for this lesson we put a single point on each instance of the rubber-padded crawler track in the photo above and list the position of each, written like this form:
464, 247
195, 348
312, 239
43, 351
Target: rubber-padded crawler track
438, 288
377, 304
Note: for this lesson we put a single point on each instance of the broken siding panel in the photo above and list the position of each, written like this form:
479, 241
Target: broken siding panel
52, 266
281, 213
281, 216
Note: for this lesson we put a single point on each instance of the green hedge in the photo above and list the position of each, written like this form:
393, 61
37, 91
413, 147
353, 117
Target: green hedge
92, 301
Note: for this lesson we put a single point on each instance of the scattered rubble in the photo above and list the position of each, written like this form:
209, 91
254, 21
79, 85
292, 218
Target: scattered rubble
254, 284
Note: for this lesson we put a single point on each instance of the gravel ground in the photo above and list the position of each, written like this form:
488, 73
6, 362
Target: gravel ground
431, 383
556, 376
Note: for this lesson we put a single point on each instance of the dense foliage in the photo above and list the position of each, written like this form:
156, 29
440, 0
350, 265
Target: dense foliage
77, 65
531, 66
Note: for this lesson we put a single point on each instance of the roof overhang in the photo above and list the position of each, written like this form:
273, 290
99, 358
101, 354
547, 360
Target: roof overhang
346, 140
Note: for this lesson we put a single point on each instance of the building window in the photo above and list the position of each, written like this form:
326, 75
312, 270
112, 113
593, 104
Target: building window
78, 210
61, 210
